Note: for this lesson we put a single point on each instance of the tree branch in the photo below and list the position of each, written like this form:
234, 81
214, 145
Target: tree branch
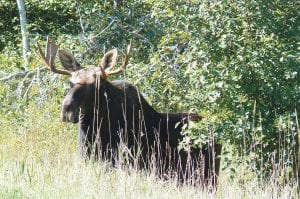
22, 74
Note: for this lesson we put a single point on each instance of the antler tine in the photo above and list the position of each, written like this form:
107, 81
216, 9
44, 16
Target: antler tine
123, 67
49, 57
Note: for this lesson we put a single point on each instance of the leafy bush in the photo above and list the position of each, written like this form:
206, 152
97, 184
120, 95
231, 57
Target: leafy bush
235, 62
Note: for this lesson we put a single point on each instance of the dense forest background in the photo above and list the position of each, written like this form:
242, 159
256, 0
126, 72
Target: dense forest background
234, 62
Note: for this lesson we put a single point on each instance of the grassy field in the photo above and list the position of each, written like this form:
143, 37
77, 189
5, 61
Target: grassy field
39, 159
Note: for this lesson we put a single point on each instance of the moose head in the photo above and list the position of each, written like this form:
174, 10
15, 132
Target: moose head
83, 80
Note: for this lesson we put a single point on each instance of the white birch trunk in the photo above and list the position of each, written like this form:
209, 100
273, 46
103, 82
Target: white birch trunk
25, 36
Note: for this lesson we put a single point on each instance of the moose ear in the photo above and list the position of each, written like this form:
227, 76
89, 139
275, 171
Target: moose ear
68, 61
109, 60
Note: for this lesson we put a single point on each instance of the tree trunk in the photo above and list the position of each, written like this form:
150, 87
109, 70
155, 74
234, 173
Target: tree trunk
25, 36
297, 161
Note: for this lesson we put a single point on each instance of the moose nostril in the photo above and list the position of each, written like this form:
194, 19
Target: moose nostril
71, 116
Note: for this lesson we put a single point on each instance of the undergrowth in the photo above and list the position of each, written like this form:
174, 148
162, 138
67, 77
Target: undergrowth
40, 159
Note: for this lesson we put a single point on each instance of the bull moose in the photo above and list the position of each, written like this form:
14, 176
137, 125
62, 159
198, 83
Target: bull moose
112, 114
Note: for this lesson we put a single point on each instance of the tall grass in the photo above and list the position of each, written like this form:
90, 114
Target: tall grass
40, 159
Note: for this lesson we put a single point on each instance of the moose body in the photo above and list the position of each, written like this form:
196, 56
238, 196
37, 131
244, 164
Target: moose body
113, 114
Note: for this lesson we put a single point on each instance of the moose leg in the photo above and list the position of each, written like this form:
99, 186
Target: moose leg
212, 163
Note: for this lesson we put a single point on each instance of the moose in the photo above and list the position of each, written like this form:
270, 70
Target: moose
114, 114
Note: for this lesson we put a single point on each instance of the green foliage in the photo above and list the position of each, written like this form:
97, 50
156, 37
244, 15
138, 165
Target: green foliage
235, 62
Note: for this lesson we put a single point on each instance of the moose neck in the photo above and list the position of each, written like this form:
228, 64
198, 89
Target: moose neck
105, 93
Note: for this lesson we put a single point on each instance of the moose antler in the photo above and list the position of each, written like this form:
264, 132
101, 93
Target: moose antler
49, 57
108, 71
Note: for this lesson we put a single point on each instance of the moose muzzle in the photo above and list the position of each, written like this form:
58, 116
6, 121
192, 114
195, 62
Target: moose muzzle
70, 111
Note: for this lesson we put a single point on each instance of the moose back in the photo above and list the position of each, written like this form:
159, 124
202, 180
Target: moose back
113, 114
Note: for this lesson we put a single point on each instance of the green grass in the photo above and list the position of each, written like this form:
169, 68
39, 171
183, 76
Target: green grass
39, 159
